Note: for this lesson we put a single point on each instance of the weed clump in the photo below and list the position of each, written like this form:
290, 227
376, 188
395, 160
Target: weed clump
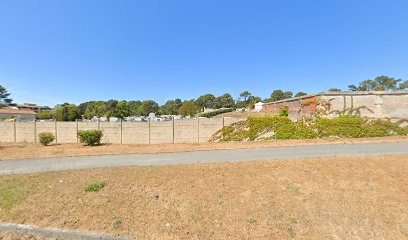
94, 187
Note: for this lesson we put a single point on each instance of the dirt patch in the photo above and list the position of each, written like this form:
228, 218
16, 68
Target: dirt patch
30, 150
321, 198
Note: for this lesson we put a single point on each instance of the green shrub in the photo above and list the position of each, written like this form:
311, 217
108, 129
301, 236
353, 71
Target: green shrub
284, 112
349, 126
94, 187
46, 138
90, 137
215, 112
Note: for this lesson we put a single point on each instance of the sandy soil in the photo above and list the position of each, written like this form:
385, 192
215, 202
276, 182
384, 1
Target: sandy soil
30, 150
322, 198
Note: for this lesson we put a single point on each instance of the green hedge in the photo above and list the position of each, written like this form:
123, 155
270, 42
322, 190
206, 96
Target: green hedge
215, 112
280, 127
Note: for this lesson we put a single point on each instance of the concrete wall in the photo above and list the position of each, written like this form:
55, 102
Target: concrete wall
373, 105
179, 131
377, 104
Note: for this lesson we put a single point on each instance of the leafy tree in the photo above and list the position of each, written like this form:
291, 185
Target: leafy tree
148, 106
403, 85
245, 95
224, 101
134, 108
171, 107
334, 90
45, 115
66, 112
288, 94
299, 94
352, 88
189, 108
380, 83
121, 110
4, 96
252, 101
206, 101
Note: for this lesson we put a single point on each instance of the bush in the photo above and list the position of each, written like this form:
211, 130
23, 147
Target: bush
46, 138
284, 112
348, 126
90, 137
215, 112
94, 187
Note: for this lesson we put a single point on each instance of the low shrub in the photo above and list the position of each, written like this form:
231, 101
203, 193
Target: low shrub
215, 112
94, 187
284, 112
46, 138
90, 137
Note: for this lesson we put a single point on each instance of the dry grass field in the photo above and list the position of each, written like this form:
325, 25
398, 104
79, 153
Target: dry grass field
30, 150
320, 198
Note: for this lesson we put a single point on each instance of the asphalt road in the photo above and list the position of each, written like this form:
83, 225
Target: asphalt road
217, 156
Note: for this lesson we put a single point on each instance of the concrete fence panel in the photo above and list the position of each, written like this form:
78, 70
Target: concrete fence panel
88, 126
135, 132
66, 132
208, 126
7, 132
177, 131
111, 132
25, 132
161, 132
186, 131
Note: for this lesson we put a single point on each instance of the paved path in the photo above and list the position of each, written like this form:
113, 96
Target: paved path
236, 155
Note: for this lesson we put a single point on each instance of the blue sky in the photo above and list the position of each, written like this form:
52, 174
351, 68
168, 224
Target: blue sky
74, 51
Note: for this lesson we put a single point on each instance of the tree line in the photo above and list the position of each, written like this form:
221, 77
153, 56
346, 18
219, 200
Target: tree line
122, 109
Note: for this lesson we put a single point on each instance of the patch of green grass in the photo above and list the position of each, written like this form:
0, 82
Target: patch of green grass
76, 223
95, 186
290, 231
292, 188
220, 198
16, 189
22, 146
58, 152
117, 224
251, 220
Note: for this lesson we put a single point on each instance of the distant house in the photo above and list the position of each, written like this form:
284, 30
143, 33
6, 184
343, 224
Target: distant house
17, 114
33, 107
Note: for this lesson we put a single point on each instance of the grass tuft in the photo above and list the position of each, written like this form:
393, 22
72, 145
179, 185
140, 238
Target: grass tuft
95, 186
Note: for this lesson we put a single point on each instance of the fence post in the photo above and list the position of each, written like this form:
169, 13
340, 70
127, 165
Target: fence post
35, 130
99, 124
15, 131
223, 121
121, 131
149, 130
77, 139
55, 130
198, 130
173, 128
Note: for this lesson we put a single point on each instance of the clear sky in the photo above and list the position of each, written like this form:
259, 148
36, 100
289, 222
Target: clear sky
74, 51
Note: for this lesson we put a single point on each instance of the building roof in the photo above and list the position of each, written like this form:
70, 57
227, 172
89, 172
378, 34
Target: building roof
355, 93
17, 111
